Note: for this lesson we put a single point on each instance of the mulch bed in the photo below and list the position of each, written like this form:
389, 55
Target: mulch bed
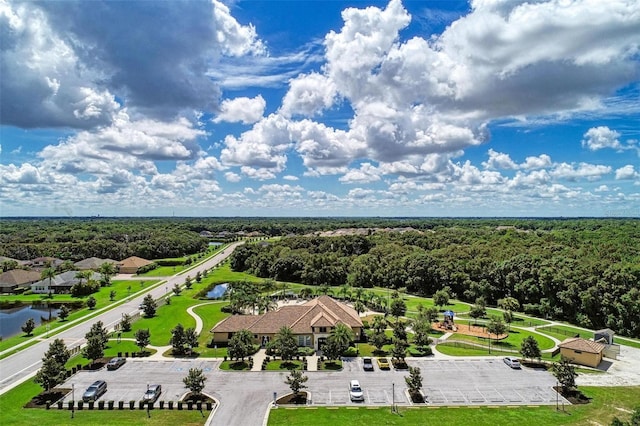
191, 397
299, 399
54, 395
469, 330
399, 364
100, 362
573, 396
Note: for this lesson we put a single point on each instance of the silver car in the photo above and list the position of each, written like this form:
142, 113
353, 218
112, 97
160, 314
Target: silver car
94, 391
512, 361
152, 394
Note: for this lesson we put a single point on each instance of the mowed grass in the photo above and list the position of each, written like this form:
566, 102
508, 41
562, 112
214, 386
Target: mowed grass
513, 341
605, 405
11, 404
102, 298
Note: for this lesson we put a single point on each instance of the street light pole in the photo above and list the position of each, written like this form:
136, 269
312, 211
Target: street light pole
393, 397
73, 399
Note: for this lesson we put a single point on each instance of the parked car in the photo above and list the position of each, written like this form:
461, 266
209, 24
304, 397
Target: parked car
512, 361
355, 391
383, 364
94, 391
115, 363
367, 364
152, 393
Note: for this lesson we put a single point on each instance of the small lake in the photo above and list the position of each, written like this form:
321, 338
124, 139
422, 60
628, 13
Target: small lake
218, 291
11, 320
215, 243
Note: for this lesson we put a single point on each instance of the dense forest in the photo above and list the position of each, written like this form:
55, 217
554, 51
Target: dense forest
583, 271
586, 271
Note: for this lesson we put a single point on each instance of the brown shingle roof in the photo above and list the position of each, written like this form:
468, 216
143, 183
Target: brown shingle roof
320, 312
578, 344
19, 277
134, 262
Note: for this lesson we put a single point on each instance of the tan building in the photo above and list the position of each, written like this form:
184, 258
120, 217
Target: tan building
130, 265
582, 351
311, 322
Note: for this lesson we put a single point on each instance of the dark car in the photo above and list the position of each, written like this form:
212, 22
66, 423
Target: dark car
94, 391
115, 363
367, 364
152, 393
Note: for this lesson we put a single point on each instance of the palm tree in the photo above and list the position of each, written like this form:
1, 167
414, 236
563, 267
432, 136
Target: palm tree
342, 335
306, 293
48, 273
107, 270
359, 293
83, 275
345, 291
266, 304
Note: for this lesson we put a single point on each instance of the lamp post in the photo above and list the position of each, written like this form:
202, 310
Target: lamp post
73, 399
393, 397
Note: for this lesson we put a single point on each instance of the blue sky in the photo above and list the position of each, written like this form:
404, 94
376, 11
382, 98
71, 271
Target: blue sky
320, 108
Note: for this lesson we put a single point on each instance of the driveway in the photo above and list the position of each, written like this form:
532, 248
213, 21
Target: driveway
245, 396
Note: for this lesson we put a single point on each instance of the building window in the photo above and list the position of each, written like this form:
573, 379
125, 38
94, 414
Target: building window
578, 352
304, 340
229, 335
323, 329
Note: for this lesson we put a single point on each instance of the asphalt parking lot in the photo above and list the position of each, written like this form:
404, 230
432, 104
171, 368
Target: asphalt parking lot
244, 396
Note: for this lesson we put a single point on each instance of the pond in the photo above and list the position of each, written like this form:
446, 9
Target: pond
11, 320
218, 291
215, 243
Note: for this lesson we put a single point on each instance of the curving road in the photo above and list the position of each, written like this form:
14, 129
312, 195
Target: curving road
19, 367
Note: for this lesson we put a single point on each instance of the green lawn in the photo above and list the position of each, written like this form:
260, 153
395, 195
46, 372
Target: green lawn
562, 332
102, 297
112, 349
463, 349
11, 404
601, 410
234, 365
513, 341
627, 342
211, 314
279, 365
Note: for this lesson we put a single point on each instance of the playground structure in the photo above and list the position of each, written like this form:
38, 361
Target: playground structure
447, 325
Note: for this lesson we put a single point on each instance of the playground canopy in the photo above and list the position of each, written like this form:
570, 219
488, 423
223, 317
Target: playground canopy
448, 314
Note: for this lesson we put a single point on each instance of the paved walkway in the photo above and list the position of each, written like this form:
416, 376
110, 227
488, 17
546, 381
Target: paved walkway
257, 360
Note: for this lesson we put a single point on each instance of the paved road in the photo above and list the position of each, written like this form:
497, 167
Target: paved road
245, 396
17, 368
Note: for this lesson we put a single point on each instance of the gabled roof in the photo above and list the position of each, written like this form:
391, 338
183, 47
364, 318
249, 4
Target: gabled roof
578, 344
320, 312
134, 262
19, 277
92, 263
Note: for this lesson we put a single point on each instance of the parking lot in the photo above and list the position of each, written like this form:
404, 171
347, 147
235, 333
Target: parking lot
244, 396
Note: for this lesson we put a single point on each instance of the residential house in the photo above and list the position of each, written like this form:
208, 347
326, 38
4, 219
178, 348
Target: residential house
11, 280
310, 322
130, 265
582, 351
45, 262
92, 263
61, 283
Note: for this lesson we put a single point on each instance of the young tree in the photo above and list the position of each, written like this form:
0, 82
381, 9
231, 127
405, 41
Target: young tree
94, 349
285, 343
400, 330
91, 302
566, 374
191, 339
398, 307
421, 328
378, 339
149, 306
496, 326
198, 277
29, 326
296, 381
529, 348
195, 380
143, 338
106, 270
414, 380
178, 339
477, 311
58, 351
240, 344
125, 323
188, 282
441, 297
399, 349
332, 349
112, 295
50, 374
63, 313
98, 330
176, 289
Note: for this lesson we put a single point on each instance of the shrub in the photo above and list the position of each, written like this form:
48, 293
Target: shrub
305, 351
350, 352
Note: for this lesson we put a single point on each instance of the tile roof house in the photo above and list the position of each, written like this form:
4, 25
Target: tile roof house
582, 351
45, 262
15, 278
61, 283
130, 265
92, 263
310, 322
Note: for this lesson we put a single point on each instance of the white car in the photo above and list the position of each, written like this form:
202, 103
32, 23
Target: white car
512, 361
355, 391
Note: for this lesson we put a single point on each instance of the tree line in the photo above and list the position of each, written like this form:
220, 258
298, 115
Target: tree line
583, 274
